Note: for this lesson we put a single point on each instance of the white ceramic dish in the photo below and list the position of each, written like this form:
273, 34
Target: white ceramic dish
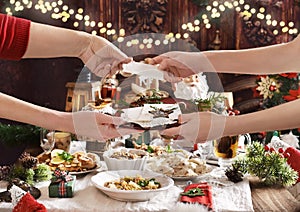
208, 171
99, 179
125, 164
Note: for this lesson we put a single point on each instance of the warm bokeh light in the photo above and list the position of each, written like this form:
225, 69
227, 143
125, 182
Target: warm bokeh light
61, 10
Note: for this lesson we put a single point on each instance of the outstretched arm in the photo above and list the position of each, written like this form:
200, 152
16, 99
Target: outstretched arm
85, 123
204, 126
100, 55
274, 59
281, 117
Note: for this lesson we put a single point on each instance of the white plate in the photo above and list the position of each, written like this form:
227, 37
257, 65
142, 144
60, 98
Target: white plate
99, 179
86, 171
96, 160
209, 170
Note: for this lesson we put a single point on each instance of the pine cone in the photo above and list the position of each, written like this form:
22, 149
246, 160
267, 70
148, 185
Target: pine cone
234, 175
4, 172
29, 162
24, 155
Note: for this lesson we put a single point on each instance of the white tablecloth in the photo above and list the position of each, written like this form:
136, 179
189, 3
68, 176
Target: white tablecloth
236, 197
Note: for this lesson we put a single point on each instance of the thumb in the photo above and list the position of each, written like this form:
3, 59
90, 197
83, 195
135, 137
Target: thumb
183, 118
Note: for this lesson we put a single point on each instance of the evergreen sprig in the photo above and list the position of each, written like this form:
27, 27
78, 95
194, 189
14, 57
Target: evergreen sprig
270, 167
13, 135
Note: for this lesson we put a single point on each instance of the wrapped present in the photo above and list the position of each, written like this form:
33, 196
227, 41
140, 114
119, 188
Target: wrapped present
62, 184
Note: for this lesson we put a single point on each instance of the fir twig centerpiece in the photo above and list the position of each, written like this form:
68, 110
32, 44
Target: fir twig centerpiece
270, 166
210, 103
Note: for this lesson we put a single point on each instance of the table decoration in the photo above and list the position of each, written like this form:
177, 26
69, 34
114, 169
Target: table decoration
269, 165
24, 201
14, 139
198, 193
62, 184
276, 89
26, 168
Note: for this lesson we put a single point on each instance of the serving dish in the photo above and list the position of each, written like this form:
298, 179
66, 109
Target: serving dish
126, 162
179, 165
152, 115
101, 178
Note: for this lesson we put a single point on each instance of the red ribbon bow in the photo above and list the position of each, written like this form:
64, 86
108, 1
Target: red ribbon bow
62, 177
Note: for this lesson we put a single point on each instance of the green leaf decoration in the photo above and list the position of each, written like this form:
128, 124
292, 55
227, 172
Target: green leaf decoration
66, 156
193, 192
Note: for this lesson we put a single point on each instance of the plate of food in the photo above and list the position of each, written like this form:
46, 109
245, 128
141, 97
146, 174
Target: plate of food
76, 163
131, 185
125, 158
179, 165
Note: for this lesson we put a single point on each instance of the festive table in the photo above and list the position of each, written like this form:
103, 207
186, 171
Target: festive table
248, 195
236, 197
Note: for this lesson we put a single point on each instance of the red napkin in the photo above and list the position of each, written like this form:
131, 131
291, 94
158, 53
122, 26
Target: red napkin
28, 204
293, 159
206, 199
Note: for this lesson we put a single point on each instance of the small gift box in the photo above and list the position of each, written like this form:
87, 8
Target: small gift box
62, 184
198, 193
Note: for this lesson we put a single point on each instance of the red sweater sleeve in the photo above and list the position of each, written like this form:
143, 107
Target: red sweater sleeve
14, 36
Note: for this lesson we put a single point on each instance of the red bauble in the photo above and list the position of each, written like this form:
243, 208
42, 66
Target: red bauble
272, 88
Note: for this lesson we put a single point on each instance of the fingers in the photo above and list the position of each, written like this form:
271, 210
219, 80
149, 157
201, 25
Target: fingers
155, 60
171, 78
183, 118
172, 131
110, 131
126, 131
107, 119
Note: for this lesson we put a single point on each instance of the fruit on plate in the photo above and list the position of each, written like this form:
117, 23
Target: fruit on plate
56, 152
57, 160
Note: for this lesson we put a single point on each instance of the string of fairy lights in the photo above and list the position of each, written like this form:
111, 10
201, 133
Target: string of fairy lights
59, 10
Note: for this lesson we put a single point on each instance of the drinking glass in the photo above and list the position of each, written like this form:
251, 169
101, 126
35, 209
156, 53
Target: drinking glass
205, 149
225, 149
47, 139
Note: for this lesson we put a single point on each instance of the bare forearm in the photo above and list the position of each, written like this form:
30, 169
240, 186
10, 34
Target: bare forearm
284, 116
264, 60
18, 110
47, 41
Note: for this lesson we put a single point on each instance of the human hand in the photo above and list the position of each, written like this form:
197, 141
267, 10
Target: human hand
99, 126
199, 127
103, 58
178, 65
